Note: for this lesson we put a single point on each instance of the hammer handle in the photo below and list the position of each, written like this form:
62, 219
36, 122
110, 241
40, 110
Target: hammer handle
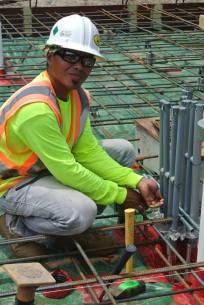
129, 234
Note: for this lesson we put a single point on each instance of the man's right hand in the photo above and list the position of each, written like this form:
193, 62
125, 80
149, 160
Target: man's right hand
134, 200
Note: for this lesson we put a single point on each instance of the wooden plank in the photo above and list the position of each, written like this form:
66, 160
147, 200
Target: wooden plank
29, 274
201, 22
150, 125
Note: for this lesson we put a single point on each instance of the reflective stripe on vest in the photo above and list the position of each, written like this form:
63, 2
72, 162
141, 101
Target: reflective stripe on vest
31, 93
35, 92
84, 110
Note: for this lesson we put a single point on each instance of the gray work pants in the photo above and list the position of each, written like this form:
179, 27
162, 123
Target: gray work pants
48, 207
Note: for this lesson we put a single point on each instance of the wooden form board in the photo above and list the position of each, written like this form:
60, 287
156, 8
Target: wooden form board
201, 22
29, 274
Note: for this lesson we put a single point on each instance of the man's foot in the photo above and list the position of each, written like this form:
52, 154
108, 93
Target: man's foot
25, 249
97, 243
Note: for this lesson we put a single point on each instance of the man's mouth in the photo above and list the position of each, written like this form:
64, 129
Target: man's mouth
75, 76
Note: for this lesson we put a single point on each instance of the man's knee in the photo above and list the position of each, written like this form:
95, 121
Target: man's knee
78, 218
120, 150
129, 153
87, 216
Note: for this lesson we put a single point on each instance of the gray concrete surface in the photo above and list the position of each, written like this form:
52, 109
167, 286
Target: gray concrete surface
86, 2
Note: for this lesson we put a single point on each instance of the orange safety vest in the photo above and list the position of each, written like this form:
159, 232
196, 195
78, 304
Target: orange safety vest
36, 91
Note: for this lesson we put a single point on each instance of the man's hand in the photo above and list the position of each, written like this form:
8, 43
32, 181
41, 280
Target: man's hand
150, 192
134, 200
148, 196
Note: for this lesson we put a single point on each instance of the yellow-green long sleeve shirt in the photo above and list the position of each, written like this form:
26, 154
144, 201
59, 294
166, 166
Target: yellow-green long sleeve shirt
85, 166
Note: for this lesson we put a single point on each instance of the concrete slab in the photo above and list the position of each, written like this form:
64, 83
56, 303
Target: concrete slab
52, 3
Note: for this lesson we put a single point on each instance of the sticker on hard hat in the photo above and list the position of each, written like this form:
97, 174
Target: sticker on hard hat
55, 30
65, 33
97, 39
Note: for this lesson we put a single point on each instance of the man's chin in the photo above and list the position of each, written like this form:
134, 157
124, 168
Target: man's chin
75, 84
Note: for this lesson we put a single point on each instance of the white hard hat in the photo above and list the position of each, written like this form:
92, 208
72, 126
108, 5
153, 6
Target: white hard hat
76, 33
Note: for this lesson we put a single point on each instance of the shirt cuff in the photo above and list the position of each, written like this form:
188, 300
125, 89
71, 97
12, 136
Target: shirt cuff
133, 180
121, 196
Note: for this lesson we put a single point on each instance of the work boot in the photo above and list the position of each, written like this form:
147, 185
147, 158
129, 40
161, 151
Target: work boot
27, 249
97, 243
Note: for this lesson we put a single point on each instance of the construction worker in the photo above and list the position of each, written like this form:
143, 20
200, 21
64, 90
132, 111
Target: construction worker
53, 172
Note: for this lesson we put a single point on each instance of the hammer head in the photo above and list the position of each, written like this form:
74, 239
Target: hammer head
127, 289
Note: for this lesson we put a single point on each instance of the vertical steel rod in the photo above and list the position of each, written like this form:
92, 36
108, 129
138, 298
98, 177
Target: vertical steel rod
174, 125
188, 180
165, 148
185, 103
1, 51
178, 169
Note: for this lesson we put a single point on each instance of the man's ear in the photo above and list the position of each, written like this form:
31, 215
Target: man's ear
49, 57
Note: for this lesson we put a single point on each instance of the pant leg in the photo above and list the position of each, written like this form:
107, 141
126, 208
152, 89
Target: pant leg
120, 150
48, 207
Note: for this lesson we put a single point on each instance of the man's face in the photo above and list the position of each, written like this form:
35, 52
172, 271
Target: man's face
70, 68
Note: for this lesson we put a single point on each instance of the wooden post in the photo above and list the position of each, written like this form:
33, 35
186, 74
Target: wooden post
129, 234
27, 20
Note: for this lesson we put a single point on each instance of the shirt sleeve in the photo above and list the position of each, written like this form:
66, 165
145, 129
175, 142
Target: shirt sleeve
91, 155
43, 136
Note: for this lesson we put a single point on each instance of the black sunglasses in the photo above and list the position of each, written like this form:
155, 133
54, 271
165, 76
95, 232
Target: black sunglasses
72, 57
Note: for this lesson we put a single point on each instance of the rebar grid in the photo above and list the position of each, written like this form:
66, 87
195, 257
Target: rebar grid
91, 278
130, 82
